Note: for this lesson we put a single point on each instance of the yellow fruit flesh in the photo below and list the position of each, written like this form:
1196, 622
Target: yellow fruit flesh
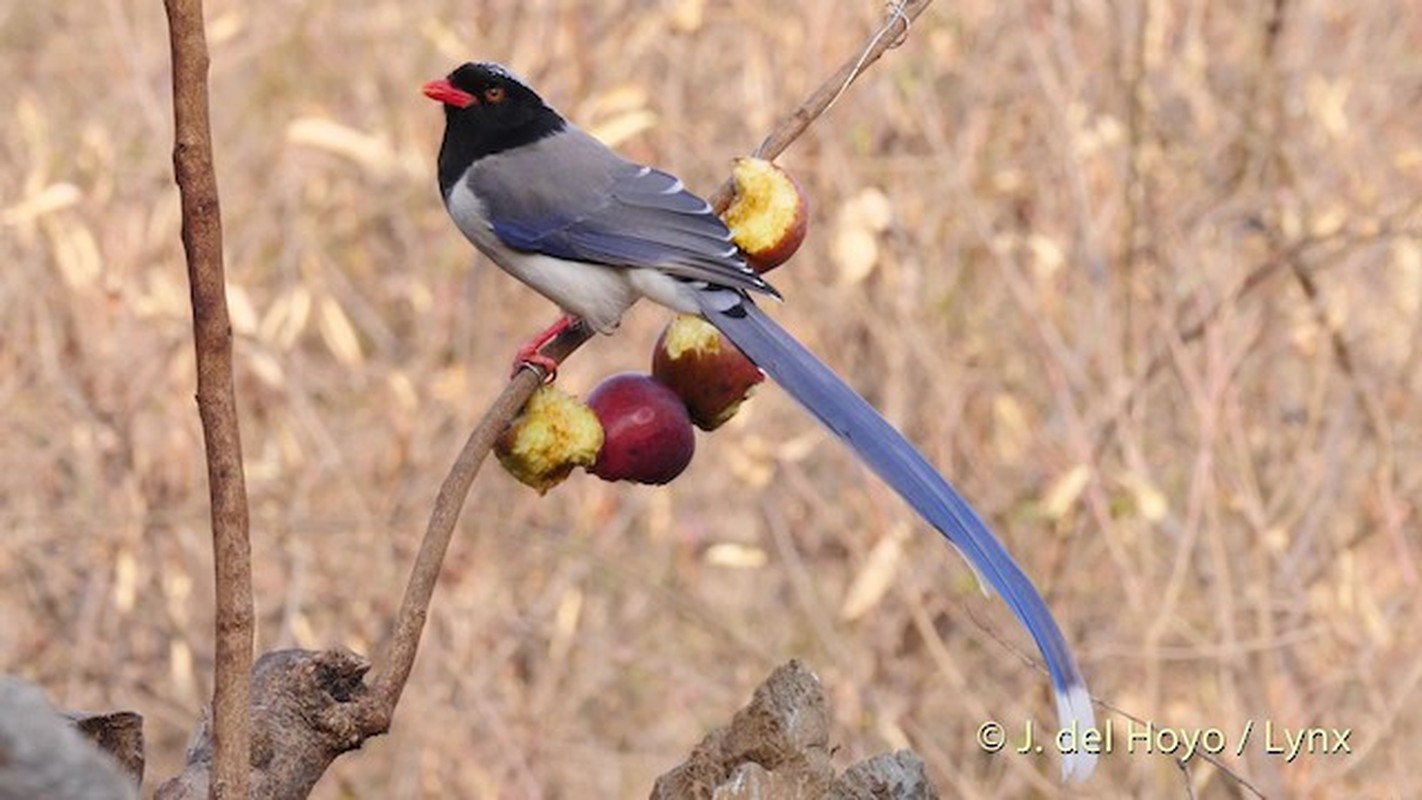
554, 433
688, 334
764, 208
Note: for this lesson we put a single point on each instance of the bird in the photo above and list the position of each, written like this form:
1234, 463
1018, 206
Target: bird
595, 232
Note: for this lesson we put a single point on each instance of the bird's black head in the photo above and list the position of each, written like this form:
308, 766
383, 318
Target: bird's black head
487, 110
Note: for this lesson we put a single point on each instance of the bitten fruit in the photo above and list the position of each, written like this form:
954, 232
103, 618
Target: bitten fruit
647, 432
768, 215
552, 434
710, 375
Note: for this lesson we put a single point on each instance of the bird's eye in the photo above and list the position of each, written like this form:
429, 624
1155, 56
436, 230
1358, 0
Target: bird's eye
494, 94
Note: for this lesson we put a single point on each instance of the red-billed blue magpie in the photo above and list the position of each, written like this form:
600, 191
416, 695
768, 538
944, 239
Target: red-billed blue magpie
594, 232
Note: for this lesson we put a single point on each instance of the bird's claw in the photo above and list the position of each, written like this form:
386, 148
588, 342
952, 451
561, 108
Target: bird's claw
544, 367
530, 355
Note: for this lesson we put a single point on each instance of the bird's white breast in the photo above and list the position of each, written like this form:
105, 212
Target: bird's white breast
597, 293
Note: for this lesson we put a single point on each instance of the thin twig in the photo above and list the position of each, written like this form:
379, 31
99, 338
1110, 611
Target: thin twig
1134, 233
1281, 258
1374, 416
393, 667
1211, 758
898, 25
890, 35
393, 670
216, 399
1028, 660
1184, 766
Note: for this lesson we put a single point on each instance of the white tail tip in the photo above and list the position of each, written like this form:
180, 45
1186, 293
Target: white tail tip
1074, 714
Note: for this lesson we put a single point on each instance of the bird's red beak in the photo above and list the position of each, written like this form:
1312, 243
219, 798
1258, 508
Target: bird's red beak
445, 92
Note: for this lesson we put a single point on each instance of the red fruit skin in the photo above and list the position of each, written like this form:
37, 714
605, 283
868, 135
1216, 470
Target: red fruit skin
647, 433
710, 374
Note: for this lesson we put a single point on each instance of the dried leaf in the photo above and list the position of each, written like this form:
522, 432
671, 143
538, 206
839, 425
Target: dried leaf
241, 310
287, 318
1010, 429
125, 580
445, 39
370, 151
225, 26
688, 16
620, 128
1065, 491
1406, 293
450, 385
799, 448
1047, 256
404, 390
76, 252
164, 295
872, 208
177, 592
734, 555
180, 668
1327, 101
293, 450
616, 99
54, 197
855, 253
338, 332
267, 369
1150, 501
855, 246
876, 576
753, 462
303, 633
565, 625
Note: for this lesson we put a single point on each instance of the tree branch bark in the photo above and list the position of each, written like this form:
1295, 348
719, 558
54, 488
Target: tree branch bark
216, 399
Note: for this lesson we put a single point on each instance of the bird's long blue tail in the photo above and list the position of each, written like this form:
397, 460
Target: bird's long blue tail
907, 472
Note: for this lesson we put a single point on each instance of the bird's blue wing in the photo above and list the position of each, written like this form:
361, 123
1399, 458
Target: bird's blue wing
884, 450
603, 209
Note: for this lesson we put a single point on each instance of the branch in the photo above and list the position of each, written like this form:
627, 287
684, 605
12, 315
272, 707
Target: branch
306, 711
890, 35
216, 399
394, 668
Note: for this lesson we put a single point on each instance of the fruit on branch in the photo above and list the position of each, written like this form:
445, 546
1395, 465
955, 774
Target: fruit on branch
552, 434
710, 374
768, 214
647, 432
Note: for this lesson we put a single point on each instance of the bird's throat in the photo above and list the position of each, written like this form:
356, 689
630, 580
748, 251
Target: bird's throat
468, 139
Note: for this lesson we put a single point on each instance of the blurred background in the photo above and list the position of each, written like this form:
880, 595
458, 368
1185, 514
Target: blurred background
1142, 278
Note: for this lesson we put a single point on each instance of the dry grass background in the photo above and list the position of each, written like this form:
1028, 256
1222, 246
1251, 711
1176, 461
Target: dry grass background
1019, 219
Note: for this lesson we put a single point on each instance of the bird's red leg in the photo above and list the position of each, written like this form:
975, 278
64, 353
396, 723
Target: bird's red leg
528, 354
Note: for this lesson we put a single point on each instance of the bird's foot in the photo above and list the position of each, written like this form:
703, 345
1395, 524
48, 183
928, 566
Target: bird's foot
545, 367
528, 355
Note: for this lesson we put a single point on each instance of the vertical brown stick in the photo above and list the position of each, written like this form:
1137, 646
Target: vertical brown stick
216, 399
